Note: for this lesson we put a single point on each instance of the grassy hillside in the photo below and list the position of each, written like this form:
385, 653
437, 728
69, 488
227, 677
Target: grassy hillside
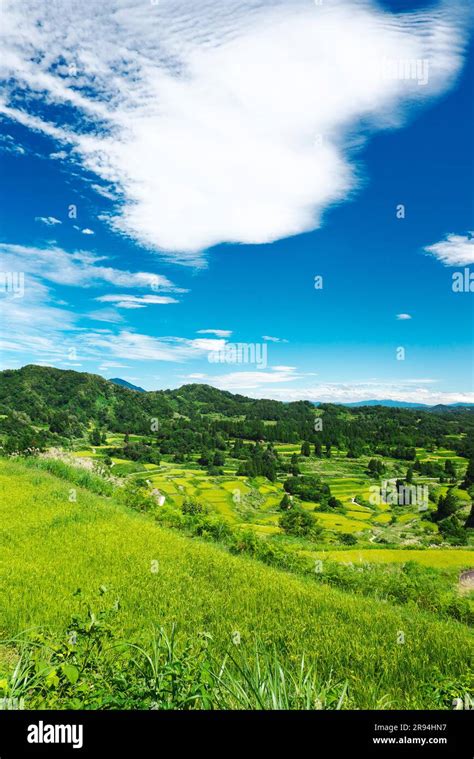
51, 545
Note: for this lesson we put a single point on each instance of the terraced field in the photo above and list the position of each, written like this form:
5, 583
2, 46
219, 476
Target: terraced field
440, 558
61, 545
255, 503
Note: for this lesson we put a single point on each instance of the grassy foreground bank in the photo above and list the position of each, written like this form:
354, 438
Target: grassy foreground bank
55, 540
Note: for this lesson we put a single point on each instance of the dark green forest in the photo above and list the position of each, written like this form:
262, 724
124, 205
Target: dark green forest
42, 405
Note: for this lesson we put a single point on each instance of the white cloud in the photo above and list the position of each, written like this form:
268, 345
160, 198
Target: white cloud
38, 327
105, 365
208, 345
216, 332
9, 144
136, 301
253, 380
403, 317
59, 155
270, 339
454, 250
50, 221
263, 385
79, 268
106, 192
218, 126
34, 325
87, 231
105, 315
133, 345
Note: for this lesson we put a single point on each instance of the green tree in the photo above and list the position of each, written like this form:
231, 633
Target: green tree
299, 523
469, 524
372, 468
205, 458
294, 468
286, 502
469, 476
95, 436
453, 531
305, 449
449, 468
348, 539
447, 505
219, 459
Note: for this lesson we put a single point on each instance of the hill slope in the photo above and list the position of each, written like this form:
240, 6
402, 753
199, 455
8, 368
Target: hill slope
94, 541
36, 390
67, 402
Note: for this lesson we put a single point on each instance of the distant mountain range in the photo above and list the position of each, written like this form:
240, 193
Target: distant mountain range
404, 404
356, 404
387, 402
124, 383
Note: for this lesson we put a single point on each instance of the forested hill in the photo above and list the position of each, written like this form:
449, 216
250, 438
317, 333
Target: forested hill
43, 405
40, 391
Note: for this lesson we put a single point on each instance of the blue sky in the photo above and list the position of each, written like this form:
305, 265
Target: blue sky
175, 178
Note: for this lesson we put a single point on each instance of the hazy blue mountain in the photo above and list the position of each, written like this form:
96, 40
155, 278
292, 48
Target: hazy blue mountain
124, 383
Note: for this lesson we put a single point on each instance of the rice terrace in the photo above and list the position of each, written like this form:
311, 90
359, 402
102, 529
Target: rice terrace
214, 551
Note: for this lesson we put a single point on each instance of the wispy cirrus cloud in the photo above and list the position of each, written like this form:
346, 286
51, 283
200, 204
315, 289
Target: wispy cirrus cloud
278, 383
383, 390
38, 327
249, 379
219, 125
9, 145
112, 365
80, 268
109, 315
34, 325
136, 301
216, 332
50, 221
454, 250
270, 339
135, 346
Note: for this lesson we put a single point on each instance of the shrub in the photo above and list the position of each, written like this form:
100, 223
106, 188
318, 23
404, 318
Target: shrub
190, 506
348, 539
300, 523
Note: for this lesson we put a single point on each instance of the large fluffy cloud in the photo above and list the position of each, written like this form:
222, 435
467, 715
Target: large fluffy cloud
214, 122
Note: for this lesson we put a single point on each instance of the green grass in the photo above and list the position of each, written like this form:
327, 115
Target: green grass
442, 558
51, 546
